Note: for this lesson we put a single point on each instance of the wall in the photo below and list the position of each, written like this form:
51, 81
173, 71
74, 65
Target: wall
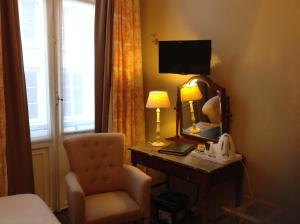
44, 182
41, 173
258, 45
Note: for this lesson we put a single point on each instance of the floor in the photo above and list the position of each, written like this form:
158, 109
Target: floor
63, 216
190, 219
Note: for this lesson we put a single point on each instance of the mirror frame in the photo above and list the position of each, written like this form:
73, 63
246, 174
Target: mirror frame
225, 109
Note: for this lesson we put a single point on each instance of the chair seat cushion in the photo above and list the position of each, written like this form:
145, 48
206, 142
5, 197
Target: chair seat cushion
25, 209
111, 207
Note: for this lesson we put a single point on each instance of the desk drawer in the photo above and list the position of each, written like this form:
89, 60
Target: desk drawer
169, 167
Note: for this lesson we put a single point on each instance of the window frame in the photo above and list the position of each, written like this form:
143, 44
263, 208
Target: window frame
60, 68
45, 50
53, 64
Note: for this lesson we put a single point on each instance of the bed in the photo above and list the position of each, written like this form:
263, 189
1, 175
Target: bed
25, 209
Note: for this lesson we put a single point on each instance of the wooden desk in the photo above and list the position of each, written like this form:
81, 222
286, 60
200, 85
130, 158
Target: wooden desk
204, 174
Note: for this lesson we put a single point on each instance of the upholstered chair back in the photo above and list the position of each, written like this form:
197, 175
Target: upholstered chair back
212, 109
97, 161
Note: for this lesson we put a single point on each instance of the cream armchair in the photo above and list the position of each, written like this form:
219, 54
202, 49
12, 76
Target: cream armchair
101, 189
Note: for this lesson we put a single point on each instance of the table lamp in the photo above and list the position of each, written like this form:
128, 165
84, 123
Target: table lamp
158, 99
190, 92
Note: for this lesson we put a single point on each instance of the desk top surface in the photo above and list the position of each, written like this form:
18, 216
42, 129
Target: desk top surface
188, 160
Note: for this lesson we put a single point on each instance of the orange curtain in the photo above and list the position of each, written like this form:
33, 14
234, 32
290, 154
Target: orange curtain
127, 99
3, 177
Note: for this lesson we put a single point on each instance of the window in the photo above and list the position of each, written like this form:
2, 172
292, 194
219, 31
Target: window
34, 42
75, 55
78, 65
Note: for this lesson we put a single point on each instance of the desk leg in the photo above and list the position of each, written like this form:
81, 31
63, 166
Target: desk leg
204, 203
133, 159
168, 182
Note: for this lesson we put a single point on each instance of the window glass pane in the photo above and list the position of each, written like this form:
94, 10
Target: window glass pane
34, 43
29, 32
31, 79
78, 65
29, 10
32, 95
67, 108
33, 110
78, 94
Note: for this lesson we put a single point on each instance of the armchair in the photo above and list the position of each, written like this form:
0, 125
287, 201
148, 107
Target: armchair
101, 189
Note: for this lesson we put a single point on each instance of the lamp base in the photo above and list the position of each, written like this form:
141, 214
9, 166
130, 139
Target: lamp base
195, 130
158, 143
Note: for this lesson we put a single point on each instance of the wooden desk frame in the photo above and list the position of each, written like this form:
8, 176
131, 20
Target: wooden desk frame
205, 180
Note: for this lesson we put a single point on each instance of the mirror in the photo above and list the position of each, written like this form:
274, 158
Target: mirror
203, 109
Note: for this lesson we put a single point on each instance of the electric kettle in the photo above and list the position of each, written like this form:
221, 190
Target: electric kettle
225, 148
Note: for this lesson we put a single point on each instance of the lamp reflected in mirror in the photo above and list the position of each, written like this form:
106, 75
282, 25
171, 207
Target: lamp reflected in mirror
190, 92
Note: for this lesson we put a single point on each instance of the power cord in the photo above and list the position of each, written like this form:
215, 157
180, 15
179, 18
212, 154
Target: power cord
250, 189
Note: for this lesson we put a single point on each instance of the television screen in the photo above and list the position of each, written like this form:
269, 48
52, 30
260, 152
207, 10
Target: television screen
185, 57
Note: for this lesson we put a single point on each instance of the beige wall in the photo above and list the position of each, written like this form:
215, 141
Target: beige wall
258, 44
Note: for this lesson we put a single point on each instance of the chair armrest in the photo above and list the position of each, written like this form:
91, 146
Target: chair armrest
138, 185
76, 199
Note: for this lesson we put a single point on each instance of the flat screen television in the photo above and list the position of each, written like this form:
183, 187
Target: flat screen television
185, 57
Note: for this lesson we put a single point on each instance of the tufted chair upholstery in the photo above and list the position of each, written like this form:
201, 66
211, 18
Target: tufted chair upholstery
101, 189
212, 109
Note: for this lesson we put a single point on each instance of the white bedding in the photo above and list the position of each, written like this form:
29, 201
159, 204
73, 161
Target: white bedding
25, 209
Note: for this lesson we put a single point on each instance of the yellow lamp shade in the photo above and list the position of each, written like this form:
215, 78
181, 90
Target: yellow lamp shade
190, 92
158, 99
